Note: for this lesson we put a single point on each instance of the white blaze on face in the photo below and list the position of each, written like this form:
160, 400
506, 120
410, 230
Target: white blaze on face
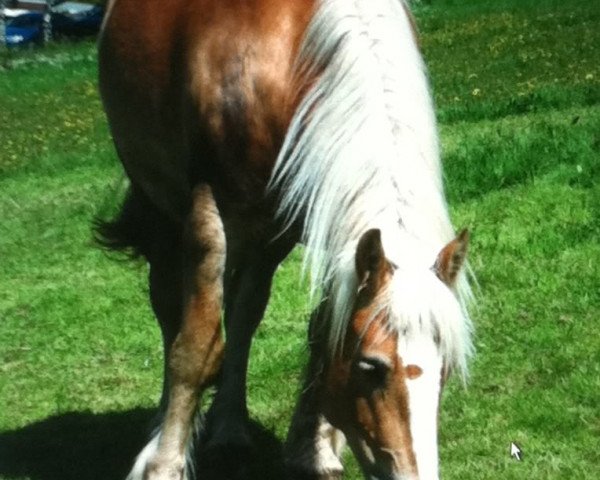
423, 399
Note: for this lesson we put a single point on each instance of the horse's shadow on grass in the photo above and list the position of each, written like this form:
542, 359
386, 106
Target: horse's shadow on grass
86, 446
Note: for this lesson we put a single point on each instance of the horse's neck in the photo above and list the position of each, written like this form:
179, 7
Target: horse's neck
361, 151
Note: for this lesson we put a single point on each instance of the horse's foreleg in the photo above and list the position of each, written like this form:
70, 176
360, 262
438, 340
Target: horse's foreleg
246, 297
195, 354
313, 446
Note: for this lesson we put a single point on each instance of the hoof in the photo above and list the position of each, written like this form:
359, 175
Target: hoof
297, 472
226, 456
165, 472
313, 464
149, 465
230, 440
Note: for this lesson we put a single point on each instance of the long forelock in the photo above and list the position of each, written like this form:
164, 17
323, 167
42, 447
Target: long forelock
420, 304
414, 302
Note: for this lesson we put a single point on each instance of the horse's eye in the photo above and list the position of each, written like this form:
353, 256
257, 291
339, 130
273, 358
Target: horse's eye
373, 368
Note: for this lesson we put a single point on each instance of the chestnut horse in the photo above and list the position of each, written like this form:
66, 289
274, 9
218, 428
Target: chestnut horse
246, 126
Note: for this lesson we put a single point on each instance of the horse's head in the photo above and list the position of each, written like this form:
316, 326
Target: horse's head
406, 331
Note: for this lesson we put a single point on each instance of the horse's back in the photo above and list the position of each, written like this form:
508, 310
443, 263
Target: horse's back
199, 91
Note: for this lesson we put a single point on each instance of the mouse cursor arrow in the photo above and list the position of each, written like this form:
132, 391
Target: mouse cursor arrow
515, 451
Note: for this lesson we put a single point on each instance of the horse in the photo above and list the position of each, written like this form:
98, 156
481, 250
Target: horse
246, 127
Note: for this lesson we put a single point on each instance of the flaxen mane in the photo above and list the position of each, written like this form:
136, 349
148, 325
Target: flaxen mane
362, 153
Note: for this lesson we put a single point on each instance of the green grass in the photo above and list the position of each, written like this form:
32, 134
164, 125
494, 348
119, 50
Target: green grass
517, 87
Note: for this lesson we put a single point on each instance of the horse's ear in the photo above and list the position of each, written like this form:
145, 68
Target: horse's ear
370, 261
451, 258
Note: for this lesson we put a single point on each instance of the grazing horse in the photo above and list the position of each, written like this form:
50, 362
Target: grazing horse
246, 126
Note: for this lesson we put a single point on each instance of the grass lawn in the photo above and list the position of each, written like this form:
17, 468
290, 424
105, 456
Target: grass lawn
517, 87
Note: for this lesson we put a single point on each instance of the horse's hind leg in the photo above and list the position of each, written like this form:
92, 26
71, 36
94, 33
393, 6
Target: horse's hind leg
166, 286
195, 355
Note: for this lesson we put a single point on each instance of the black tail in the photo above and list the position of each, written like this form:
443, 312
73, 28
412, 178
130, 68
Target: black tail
136, 229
